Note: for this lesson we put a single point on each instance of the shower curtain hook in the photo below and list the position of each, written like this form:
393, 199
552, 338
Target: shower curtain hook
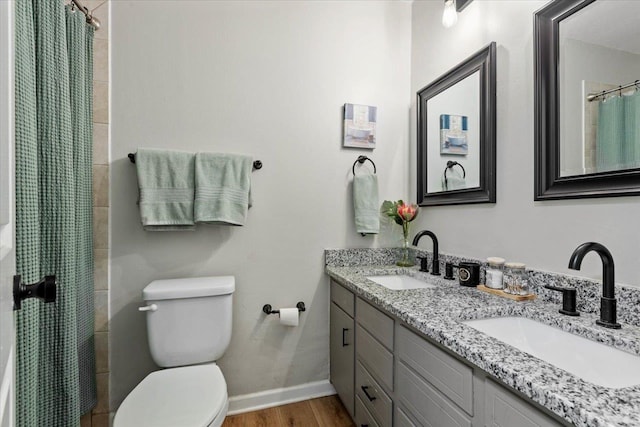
620, 91
637, 86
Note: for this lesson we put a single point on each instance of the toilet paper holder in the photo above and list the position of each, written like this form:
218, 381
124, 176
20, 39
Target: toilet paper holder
267, 309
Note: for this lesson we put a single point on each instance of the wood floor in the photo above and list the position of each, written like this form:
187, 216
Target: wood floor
322, 412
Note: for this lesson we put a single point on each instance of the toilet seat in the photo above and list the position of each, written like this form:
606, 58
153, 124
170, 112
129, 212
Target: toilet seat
191, 396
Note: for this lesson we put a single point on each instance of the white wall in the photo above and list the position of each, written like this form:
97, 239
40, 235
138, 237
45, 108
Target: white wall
268, 79
541, 234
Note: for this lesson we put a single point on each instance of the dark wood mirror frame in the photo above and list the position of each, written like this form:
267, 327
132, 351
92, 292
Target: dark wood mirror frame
549, 185
483, 62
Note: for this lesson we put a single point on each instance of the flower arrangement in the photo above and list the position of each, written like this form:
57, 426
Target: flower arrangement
402, 213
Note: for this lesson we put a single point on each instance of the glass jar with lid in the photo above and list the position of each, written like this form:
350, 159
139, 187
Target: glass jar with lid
516, 280
494, 272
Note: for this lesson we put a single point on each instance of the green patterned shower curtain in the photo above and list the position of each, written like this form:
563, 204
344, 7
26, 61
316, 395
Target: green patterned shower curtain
55, 363
618, 133
610, 135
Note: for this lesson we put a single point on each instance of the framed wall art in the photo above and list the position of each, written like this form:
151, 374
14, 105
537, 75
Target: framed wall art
453, 134
360, 126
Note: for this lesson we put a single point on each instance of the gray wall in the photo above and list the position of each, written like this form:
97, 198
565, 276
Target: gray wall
597, 64
267, 79
541, 234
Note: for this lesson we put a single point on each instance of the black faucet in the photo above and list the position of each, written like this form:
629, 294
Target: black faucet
608, 300
435, 266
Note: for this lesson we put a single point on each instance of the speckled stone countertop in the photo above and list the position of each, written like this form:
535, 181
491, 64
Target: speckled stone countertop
438, 312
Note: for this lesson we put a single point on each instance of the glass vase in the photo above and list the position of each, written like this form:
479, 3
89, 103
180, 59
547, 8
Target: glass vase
405, 260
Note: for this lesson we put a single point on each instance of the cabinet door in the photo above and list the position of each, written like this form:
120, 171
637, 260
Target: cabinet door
503, 408
342, 345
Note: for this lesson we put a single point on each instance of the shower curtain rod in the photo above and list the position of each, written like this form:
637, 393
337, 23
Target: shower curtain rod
91, 20
596, 95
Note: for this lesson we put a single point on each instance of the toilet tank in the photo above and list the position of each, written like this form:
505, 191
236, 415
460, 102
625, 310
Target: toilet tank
191, 323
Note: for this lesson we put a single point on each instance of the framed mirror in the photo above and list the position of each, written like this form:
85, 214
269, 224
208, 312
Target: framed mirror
587, 102
457, 134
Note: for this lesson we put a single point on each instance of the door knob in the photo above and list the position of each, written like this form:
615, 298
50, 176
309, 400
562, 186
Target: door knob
45, 289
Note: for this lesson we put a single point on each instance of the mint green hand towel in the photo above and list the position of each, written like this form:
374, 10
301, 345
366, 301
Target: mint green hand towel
365, 204
167, 184
223, 186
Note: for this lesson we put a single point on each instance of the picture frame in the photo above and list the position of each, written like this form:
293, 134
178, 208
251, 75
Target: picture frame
360, 126
453, 134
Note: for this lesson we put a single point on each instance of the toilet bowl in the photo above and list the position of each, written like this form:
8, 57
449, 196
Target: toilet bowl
189, 327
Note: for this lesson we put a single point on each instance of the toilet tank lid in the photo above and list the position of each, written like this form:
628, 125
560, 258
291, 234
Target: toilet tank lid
191, 287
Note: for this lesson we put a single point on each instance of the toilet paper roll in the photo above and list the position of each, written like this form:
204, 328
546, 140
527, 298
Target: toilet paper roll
289, 316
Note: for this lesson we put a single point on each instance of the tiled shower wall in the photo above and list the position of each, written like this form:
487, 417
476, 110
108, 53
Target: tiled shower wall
100, 414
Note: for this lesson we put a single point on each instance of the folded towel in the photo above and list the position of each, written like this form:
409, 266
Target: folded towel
365, 204
223, 185
166, 181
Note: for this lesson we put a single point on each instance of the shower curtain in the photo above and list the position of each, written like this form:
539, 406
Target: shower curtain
618, 133
632, 130
610, 134
55, 361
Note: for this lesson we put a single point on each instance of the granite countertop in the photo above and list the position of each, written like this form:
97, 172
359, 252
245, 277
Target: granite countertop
438, 312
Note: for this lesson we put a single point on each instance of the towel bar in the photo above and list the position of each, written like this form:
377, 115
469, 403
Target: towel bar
256, 164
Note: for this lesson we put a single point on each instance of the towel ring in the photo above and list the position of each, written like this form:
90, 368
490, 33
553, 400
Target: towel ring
451, 164
361, 160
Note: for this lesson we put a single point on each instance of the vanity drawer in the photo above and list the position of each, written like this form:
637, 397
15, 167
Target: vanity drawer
402, 419
373, 396
342, 297
450, 376
373, 355
427, 404
503, 408
363, 416
376, 322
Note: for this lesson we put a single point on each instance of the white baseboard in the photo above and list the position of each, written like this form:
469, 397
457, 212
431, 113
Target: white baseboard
279, 396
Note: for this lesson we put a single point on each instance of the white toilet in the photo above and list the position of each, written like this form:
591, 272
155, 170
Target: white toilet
189, 328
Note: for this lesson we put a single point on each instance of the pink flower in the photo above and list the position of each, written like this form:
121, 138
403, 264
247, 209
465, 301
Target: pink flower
407, 212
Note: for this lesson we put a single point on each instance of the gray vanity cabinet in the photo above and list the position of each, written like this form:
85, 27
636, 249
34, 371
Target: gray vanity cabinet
388, 375
342, 345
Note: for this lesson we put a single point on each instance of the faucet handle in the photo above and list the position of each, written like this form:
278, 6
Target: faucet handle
448, 271
568, 300
424, 264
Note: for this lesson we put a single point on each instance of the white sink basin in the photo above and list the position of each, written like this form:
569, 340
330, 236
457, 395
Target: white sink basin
400, 282
593, 362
